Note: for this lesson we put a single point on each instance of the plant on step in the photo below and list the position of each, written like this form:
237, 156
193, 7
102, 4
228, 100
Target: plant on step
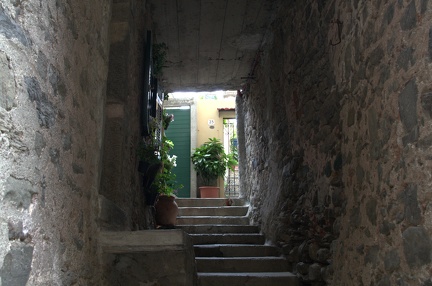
210, 160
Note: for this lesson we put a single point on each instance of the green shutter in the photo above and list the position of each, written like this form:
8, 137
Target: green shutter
179, 132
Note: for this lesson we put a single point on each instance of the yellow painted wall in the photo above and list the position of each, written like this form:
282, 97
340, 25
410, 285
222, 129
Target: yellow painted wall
207, 109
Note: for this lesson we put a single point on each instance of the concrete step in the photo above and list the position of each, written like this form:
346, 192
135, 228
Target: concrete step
248, 279
144, 241
213, 211
228, 238
181, 220
181, 202
235, 250
241, 264
219, 228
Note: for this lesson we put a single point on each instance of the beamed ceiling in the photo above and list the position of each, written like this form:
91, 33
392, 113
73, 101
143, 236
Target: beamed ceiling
212, 44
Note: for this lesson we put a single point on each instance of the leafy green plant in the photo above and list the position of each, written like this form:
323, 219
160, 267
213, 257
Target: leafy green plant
156, 163
210, 160
148, 153
149, 165
167, 119
165, 181
148, 150
234, 152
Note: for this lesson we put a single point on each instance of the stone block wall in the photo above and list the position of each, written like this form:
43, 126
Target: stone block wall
335, 143
149, 257
53, 72
121, 198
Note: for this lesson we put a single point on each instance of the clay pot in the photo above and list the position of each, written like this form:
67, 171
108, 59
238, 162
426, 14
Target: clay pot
166, 211
209, 192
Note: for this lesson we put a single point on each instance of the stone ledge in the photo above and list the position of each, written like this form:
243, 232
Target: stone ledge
148, 257
144, 241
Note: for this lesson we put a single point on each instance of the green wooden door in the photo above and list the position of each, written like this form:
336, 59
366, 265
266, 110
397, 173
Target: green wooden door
179, 132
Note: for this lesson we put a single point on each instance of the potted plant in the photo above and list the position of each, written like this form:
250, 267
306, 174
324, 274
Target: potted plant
210, 162
166, 185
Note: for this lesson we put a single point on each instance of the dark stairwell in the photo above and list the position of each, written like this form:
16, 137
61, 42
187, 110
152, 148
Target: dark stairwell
228, 250
334, 116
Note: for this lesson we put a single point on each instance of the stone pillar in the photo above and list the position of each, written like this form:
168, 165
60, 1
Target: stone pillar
120, 192
243, 162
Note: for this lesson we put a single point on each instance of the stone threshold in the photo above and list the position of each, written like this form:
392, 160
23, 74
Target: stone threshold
144, 241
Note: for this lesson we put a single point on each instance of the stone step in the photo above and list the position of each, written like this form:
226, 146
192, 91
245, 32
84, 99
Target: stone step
144, 241
216, 202
228, 250
228, 238
213, 211
241, 264
235, 250
248, 279
181, 220
219, 228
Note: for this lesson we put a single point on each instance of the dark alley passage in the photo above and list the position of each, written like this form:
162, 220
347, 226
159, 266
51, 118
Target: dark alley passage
333, 102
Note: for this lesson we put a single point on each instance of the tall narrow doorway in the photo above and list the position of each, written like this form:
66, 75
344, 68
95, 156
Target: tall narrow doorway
230, 144
179, 132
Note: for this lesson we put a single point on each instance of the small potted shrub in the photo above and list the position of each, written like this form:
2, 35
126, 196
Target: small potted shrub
155, 165
210, 162
166, 185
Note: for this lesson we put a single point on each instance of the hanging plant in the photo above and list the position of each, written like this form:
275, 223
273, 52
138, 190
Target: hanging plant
167, 119
159, 58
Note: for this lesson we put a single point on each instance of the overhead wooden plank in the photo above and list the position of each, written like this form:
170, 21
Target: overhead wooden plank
228, 62
211, 31
188, 23
212, 43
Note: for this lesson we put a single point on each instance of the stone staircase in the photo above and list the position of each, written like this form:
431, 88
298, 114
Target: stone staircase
229, 251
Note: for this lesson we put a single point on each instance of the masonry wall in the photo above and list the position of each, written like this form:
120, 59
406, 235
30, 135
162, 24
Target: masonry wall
53, 72
335, 143
121, 196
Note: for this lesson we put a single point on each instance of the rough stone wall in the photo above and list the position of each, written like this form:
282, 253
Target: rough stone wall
122, 200
336, 140
53, 70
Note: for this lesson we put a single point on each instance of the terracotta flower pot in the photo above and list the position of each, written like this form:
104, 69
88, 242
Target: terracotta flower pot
166, 211
209, 192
